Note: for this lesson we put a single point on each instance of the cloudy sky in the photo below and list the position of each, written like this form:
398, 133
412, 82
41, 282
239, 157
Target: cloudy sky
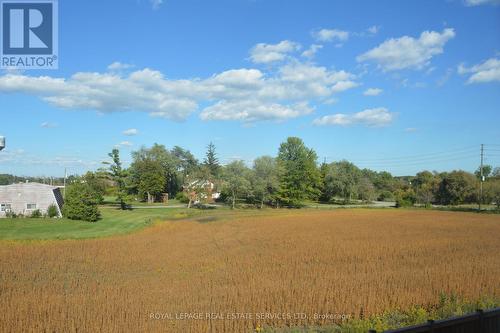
395, 85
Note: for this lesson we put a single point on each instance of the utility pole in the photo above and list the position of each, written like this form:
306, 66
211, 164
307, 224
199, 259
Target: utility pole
482, 177
64, 182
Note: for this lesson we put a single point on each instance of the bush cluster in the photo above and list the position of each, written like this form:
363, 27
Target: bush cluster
52, 212
81, 203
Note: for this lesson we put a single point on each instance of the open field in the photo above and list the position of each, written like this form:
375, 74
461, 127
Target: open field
349, 262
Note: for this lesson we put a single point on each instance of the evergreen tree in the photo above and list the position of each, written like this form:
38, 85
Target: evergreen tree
118, 175
211, 162
81, 203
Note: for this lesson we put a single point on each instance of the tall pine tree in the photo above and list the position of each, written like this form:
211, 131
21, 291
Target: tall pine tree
211, 162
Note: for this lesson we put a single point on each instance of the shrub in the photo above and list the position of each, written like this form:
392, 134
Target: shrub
36, 214
81, 203
492, 192
403, 203
182, 197
52, 211
385, 196
405, 198
11, 215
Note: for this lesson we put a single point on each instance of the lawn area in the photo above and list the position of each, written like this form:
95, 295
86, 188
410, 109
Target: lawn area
113, 222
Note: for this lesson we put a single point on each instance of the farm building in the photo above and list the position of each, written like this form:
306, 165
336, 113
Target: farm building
24, 198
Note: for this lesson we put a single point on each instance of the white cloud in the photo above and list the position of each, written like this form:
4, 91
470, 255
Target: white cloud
315, 80
144, 90
118, 66
408, 52
372, 92
251, 110
156, 3
9, 155
334, 119
266, 53
299, 72
243, 78
373, 30
47, 124
410, 129
21, 157
330, 101
481, 2
130, 132
488, 71
124, 144
444, 78
311, 51
329, 35
274, 94
343, 86
370, 117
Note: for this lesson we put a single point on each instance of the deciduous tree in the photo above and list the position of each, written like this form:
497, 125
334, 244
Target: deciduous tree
265, 181
457, 187
148, 177
299, 175
342, 180
236, 182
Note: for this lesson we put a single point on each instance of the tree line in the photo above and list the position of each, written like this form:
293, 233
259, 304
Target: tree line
7, 179
292, 178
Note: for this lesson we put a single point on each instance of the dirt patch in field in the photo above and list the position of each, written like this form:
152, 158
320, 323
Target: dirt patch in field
207, 219
277, 270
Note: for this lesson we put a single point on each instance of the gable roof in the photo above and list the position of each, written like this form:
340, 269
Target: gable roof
28, 186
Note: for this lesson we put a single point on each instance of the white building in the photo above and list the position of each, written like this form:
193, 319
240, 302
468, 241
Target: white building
202, 190
24, 198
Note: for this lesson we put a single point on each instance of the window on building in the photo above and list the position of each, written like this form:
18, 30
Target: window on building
5, 207
31, 206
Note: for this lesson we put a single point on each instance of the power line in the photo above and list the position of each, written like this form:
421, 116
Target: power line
482, 177
450, 156
403, 163
428, 158
443, 156
468, 149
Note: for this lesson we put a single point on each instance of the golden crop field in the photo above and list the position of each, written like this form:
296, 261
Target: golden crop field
277, 270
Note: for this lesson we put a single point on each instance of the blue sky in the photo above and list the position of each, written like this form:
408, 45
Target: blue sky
390, 85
